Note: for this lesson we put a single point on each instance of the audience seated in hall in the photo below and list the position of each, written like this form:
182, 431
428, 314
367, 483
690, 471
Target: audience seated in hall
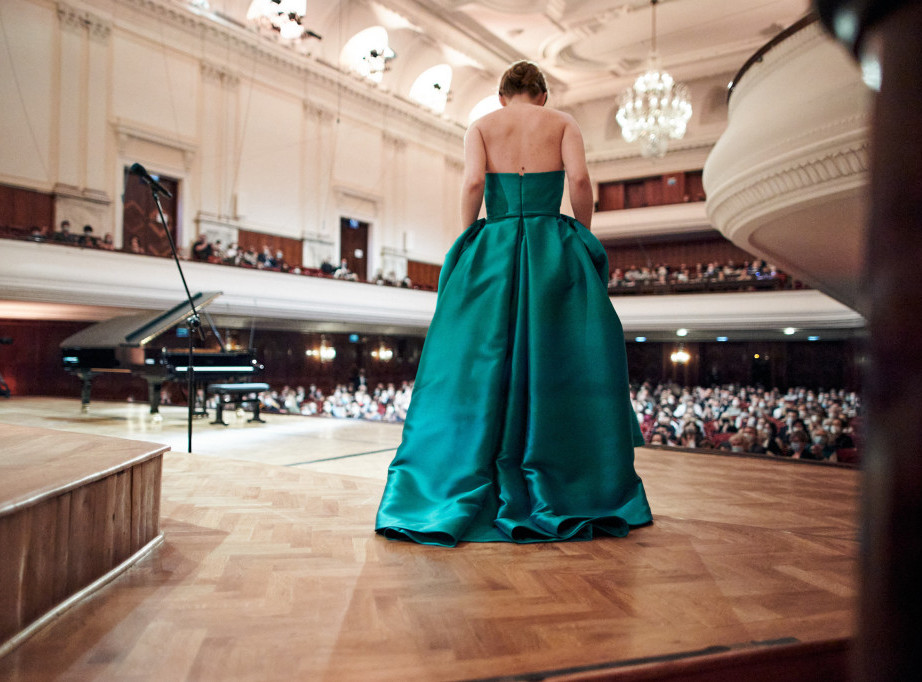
799, 423
384, 403
662, 278
757, 274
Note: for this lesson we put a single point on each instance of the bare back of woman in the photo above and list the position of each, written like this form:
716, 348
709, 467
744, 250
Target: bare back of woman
525, 137
522, 138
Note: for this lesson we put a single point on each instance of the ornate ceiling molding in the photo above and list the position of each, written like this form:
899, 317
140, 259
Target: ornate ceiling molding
79, 19
250, 46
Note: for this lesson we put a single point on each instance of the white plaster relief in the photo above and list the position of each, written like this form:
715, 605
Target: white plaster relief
831, 170
79, 20
217, 73
251, 47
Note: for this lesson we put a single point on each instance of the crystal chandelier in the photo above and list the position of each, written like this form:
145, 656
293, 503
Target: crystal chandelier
656, 109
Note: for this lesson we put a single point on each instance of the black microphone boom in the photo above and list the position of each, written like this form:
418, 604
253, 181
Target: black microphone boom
141, 172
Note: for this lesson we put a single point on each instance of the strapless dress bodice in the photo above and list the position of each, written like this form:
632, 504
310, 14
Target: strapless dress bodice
510, 194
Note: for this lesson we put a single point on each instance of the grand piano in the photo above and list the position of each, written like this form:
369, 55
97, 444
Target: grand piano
123, 345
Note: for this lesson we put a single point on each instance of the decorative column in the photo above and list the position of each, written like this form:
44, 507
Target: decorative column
395, 241
318, 147
887, 32
219, 141
82, 119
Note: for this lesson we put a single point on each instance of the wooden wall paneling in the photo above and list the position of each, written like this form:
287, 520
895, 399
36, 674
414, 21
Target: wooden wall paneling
673, 188
62, 505
32, 364
38, 575
644, 362
22, 209
694, 185
353, 237
13, 541
88, 509
121, 517
659, 190
290, 247
424, 275
634, 194
140, 218
813, 364
145, 503
674, 253
155, 474
653, 191
611, 196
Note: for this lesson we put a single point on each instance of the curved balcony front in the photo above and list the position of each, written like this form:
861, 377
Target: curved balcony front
787, 181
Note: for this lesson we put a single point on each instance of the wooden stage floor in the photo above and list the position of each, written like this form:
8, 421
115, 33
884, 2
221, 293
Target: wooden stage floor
270, 569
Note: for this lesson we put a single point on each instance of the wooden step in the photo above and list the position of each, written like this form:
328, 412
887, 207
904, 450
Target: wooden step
75, 511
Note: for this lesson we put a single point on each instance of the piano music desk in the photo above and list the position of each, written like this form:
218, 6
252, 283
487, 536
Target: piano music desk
239, 395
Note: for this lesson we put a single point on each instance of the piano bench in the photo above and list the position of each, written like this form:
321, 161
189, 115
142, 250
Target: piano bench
238, 395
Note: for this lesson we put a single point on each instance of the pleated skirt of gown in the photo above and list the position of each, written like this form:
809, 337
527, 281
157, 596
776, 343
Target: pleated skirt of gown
520, 426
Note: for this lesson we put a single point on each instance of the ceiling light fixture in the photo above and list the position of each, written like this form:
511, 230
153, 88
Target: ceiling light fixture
281, 16
656, 109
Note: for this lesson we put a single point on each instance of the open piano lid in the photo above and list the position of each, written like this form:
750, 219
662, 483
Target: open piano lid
136, 330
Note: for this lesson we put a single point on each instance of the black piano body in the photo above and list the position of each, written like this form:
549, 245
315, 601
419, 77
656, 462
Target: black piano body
123, 345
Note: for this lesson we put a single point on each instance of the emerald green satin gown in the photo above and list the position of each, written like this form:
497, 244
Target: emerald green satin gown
520, 427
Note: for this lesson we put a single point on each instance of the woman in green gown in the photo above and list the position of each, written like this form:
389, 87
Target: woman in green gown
521, 427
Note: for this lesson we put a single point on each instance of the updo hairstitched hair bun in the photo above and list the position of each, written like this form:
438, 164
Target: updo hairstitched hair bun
522, 77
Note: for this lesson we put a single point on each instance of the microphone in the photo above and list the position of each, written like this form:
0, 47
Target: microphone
141, 172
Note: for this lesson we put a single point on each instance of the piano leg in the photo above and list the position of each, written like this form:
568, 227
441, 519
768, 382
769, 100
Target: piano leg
153, 396
85, 391
256, 417
219, 410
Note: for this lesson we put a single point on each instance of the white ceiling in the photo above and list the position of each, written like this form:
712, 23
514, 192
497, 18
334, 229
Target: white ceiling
590, 49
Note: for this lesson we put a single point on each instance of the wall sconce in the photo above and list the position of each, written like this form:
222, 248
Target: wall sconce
382, 353
680, 356
324, 353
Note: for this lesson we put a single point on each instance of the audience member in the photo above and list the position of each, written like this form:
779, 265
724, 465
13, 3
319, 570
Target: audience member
201, 248
264, 259
343, 271
87, 239
232, 255
65, 236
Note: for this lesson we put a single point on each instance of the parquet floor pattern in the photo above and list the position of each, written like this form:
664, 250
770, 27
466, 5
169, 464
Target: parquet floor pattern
273, 573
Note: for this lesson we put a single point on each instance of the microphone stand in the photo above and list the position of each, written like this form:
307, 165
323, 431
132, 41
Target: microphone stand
193, 323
